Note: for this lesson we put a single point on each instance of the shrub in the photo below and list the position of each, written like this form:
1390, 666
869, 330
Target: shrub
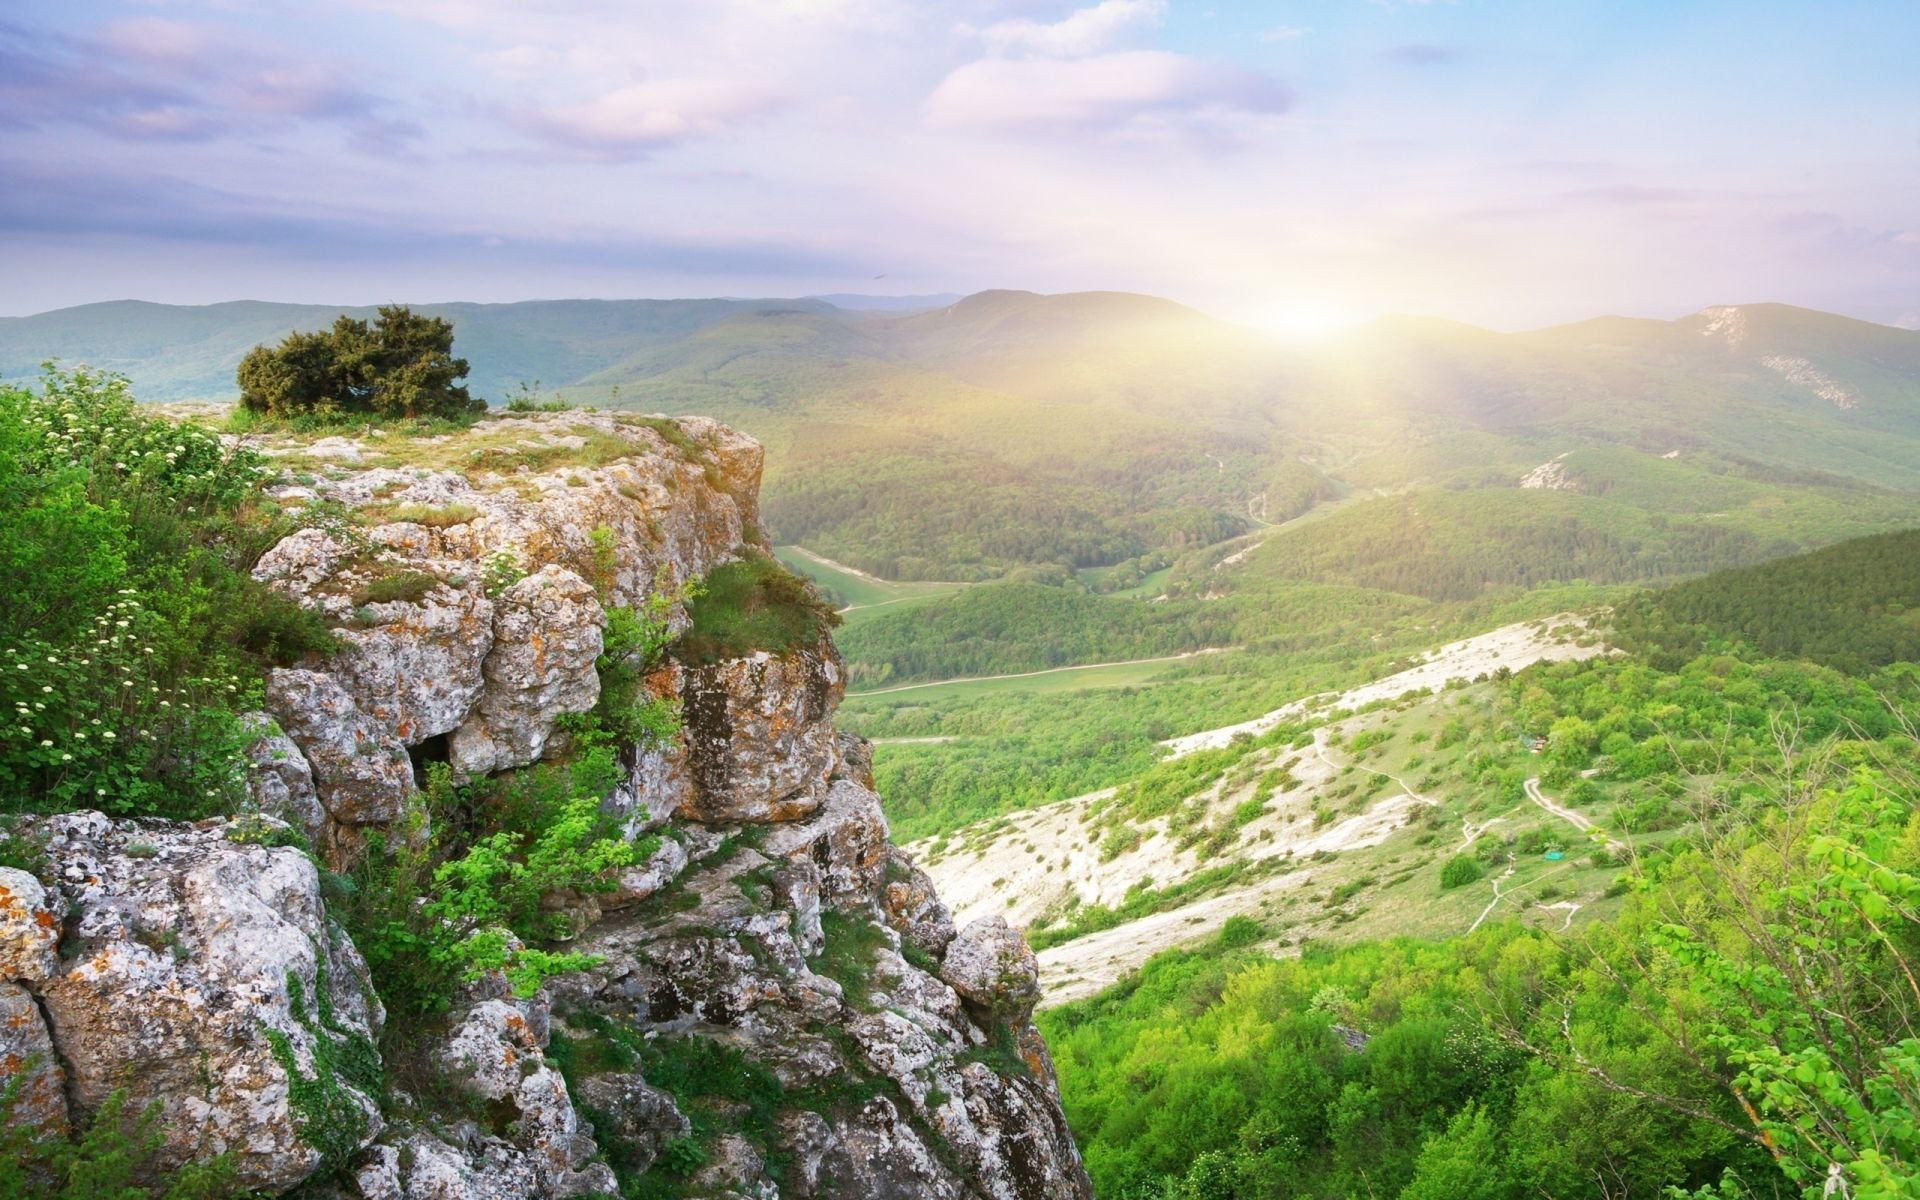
1459, 871
133, 632
1240, 931
751, 604
104, 1162
400, 365
456, 892
389, 586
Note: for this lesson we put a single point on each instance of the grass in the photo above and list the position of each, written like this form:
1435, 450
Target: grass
433, 516
752, 604
1059, 679
847, 957
408, 586
859, 593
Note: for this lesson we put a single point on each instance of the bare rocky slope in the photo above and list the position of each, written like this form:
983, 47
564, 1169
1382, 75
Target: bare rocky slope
196, 965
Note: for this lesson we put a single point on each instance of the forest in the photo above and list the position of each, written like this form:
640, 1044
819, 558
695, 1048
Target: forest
1744, 1020
1852, 606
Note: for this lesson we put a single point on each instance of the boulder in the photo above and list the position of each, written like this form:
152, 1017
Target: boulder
633, 1114
493, 1058
416, 668
546, 636
994, 970
279, 781
914, 908
846, 838
205, 978
27, 1056
361, 772
759, 732
30, 917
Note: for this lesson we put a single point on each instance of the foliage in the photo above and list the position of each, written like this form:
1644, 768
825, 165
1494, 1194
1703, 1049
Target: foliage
1853, 606
133, 631
399, 365
1459, 871
456, 891
848, 954
110, 1159
751, 604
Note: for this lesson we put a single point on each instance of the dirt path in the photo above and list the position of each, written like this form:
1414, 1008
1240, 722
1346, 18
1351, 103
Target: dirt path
1320, 748
1579, 821
857, 573
1128, 662
1491, 903
1511, 646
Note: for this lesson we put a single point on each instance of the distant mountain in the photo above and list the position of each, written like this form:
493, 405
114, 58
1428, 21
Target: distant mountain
861, 302
957, 438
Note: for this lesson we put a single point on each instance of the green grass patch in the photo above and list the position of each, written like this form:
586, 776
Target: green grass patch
751, 604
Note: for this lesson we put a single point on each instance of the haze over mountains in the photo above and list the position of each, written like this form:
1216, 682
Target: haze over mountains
1008, 429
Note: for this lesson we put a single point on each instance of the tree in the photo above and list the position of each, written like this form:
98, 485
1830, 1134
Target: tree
1463, 1163
400, 365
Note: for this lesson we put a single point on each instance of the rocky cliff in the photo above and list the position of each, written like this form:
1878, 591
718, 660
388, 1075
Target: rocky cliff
775, 1002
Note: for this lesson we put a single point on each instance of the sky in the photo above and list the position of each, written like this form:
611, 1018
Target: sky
1294, 164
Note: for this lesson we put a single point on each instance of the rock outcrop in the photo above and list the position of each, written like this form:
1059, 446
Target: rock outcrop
778, 1003
197, 971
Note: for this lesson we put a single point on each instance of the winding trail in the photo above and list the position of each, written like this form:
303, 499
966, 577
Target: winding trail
1320, 749
1493, 902
1579, 821
1127, 662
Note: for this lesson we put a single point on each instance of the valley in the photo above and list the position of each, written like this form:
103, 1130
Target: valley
1306, 695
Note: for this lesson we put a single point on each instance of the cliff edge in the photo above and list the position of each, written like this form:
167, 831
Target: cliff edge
759, 996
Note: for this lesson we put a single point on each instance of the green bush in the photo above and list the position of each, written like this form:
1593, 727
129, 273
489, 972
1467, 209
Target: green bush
133, 632
399, 365
456, 892
107, 1160
751, 604
1459, 871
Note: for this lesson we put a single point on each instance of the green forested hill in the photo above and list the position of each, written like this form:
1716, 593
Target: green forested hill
1855, 605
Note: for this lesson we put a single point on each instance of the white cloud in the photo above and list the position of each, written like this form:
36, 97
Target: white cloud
1284, 33
1100, 90
1084, 31
648, 115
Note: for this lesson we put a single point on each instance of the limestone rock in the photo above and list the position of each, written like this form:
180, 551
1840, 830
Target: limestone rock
796, 888
990, 964
658, 781
279, 781
493, 1056
417, 668
914, 908
301, 563
641, 880
360, 769
198, 982
846, 839
27, 1055
759, 731
546, 636
29, 927
637, 1116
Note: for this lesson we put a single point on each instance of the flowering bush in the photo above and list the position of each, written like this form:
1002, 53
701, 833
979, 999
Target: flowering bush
130, 632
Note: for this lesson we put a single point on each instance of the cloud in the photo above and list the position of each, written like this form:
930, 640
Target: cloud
1425, 56
152, 79
1283, 33
1106, 90
1084, 31
646, 116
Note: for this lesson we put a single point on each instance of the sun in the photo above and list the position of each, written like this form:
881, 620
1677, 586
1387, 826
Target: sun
1302, 320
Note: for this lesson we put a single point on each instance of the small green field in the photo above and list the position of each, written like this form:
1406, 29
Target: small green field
860, 594
1060, 679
